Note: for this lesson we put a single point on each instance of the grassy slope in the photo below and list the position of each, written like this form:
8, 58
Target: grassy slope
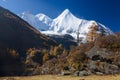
51, 77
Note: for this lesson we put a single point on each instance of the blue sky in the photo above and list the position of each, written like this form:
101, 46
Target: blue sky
106, 12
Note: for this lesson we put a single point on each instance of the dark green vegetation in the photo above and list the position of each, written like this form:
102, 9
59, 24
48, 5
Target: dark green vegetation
25, 51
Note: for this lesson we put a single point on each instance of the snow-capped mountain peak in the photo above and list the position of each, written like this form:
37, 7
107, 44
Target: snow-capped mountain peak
45, 19
29, 17
34, 21
65, 23
65, 13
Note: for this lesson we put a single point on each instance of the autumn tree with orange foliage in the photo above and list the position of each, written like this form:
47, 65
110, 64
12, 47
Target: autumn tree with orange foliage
13, 52
58, 50
92, 34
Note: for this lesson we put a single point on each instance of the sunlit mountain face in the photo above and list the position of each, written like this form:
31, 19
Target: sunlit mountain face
65, 23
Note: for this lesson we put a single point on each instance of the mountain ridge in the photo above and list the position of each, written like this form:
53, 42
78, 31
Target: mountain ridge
16, 37
67, 23
27, 36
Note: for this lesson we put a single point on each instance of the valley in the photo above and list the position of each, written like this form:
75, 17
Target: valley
66, 45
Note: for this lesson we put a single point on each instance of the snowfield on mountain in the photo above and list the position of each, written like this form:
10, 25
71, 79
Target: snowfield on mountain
65, 23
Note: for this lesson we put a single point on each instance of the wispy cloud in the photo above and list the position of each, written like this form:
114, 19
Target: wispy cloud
4, 0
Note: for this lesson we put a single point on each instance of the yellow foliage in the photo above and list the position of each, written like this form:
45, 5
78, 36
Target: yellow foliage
44, 51
92, 34
31, 51
45, 57
13, 52
58, 50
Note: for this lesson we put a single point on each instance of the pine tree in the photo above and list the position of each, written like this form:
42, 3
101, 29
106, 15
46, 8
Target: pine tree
102, 32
